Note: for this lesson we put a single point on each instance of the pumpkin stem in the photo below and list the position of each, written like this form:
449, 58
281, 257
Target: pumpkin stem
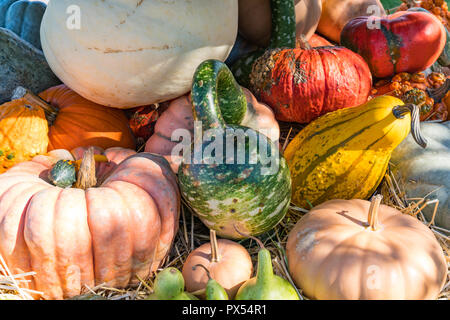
206, 270
373, 212
400, 111
259, 242
50, 111
214, 246
86, 175
437, 94
302, 43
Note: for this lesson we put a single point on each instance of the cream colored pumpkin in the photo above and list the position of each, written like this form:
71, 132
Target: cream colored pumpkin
358, 250
128, 53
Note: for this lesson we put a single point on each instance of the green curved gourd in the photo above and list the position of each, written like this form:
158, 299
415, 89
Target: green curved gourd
23, 18
248, 184
63, 174
283, 36
444, 58
266, 285
213, 290
169, 285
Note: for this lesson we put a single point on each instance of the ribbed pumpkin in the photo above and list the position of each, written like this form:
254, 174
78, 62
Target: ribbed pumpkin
358, 250
23, 134
24, 18
75, 121
304, 83
121, 225
344, 154
405, 42
179, 115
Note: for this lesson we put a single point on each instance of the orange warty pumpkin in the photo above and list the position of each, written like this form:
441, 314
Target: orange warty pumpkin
75, 121
23, 133
106, 233
356, 249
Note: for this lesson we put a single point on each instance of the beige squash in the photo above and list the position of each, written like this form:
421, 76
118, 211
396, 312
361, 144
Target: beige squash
355, 249
127, 53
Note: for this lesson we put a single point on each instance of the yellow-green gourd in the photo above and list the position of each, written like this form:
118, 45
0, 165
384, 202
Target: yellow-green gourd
345, 154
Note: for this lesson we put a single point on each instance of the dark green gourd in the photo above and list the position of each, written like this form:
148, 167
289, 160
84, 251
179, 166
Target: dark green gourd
63, 174
283, 36
254, 191
23, 18
266, 285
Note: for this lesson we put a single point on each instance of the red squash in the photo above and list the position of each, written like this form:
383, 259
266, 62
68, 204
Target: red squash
318, 41
304, 83
404, 42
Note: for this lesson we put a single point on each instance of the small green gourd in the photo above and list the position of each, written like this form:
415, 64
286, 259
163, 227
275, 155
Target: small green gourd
213, 291
266, 285
169, 285
63, 174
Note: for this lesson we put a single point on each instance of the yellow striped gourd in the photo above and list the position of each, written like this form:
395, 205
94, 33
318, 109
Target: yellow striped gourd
345, 154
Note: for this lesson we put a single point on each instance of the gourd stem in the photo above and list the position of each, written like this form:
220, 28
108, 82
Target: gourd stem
217, 98
264, 272
259, 242
206, 270
400, 111
373, 212
303, 43
86, 175
50, 111
214, 246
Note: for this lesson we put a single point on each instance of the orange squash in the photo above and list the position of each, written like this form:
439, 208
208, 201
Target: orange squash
75, 121
119, 222
23, 133
356, 249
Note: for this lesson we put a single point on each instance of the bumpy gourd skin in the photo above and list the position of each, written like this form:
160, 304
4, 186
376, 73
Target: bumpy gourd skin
266, 285
344, 154
227, 194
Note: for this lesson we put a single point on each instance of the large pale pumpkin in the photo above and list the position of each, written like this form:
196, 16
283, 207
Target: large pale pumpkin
255, 19
355, 249
336, 13
130, 53
73, 237
426, 172
179, 115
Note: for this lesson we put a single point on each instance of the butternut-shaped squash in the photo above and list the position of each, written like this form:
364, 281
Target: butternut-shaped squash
344, 154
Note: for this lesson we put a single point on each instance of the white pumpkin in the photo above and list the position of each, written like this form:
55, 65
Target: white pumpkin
128, 53
427, 171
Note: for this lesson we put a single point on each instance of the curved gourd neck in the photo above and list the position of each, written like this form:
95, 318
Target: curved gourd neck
217, 98
265, 270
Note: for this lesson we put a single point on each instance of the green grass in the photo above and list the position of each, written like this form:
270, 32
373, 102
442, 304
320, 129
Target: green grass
388, 4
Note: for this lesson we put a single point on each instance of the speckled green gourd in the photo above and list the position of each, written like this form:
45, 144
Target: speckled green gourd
63, 174
23, 18
266, 285
169, 285
238, 192
283, 36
